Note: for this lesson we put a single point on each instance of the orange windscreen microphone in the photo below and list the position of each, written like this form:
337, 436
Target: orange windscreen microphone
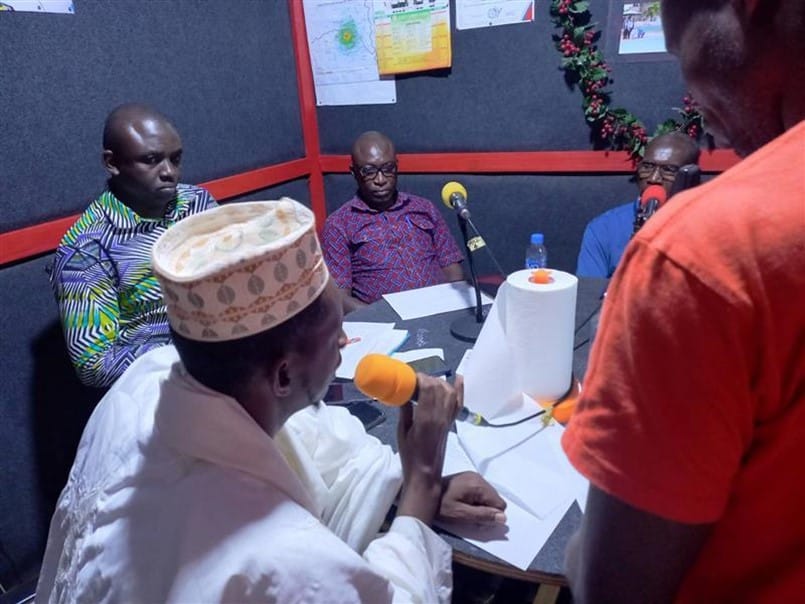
393, 382
654, 195
652, 198
454, 196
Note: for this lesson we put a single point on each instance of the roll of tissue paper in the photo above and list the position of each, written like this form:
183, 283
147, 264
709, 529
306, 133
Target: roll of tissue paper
525, 345
539, 320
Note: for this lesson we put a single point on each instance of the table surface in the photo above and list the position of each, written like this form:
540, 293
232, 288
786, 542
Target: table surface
434, 332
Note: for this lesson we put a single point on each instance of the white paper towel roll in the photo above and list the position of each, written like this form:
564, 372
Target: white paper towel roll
538, 322
525, 346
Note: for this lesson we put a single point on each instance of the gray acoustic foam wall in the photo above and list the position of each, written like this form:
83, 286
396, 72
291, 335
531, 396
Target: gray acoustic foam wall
224, 72
504, 92
507, 209
43, 407
295, 189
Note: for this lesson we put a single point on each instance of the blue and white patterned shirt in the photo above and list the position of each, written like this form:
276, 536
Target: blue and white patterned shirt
109, 299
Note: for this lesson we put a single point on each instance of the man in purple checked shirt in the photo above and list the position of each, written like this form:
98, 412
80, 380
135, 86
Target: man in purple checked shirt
383, 240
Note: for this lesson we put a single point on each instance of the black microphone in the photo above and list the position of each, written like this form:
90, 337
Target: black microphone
454, 195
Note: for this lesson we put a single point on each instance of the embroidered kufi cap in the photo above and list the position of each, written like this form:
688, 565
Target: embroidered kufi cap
239, 269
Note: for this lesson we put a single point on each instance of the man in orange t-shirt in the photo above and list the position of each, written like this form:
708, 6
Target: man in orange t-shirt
691, 427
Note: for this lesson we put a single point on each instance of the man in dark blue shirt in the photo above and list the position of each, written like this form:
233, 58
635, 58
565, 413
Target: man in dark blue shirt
606, 235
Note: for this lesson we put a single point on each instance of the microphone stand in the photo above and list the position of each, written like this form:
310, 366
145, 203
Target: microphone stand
467, 328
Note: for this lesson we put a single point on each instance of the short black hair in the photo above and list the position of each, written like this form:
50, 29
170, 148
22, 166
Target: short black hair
223, 366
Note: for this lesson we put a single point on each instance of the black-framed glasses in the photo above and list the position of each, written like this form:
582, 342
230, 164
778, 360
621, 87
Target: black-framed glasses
647, 168
369, 171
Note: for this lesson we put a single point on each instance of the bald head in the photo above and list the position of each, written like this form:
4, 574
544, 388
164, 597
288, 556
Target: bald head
123, 117
683, 146
371, 138
374, 166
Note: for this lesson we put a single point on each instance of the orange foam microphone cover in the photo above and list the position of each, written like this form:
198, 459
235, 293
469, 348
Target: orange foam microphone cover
654, 192
388, 380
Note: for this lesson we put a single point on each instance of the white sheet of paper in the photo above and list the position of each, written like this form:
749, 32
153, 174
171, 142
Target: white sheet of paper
455, 458
518, 542
378, 92
433, 300
42, 6
471, 14
462, 364
504, 456
365, 338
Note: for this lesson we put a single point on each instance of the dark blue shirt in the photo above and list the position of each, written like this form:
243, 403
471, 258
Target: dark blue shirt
604, 240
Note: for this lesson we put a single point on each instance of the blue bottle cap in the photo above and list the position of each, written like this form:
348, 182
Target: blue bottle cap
537, 238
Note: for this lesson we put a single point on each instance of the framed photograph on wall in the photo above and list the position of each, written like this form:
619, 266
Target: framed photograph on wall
634, 32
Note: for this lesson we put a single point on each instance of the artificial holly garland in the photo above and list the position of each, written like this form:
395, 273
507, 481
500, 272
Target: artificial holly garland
584, 67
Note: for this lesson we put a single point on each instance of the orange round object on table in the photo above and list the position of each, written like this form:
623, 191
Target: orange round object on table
540, 276
563, 411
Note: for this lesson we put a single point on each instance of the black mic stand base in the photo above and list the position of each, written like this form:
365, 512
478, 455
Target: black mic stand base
466, 328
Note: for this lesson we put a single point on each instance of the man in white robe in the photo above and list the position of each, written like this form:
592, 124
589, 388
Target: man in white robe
210, 474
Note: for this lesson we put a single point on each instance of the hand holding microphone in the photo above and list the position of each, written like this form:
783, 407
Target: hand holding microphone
421, 431
422, 436
395, 383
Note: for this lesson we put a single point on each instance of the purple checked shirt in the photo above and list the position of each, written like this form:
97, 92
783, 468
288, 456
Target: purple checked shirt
373, 253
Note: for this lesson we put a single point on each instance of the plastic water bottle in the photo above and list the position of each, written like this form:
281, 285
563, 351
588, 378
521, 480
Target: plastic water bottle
536, 255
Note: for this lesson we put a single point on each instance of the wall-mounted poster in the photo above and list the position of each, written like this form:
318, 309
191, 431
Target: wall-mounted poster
412, 35
343, 58
472, 14
38, 6
641, 29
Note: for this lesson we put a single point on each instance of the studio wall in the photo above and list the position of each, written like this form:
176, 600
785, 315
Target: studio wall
224, 73
504, 92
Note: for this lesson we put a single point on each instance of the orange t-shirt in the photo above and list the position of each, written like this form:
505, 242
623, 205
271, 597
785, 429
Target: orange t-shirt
694, 402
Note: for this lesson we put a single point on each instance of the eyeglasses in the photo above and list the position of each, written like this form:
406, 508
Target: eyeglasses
647, 168
369, 171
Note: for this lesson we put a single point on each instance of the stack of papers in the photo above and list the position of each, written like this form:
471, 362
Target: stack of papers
367, 338
527, 466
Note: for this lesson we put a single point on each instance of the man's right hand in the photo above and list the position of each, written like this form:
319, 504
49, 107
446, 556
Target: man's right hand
421, 438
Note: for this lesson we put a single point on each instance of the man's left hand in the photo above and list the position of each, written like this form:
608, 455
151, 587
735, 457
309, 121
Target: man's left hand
467, 497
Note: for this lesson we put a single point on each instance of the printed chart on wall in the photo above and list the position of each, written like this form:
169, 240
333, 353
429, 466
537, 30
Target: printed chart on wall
38, 6
343, 56
471, 14
413, 35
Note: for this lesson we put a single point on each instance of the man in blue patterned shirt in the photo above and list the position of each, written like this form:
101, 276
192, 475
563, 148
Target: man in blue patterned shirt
109, 300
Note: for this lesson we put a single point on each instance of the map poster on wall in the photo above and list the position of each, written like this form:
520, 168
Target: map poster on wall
472, 14
412, 35
38, 6
341, 40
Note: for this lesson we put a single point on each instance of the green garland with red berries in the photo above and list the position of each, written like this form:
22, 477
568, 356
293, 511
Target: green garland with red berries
584, 66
